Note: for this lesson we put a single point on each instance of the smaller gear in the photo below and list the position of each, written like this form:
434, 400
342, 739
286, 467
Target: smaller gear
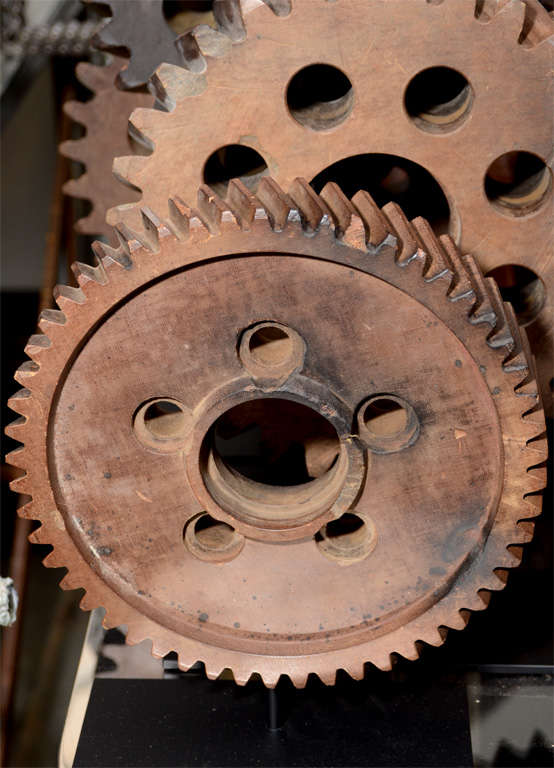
141, 28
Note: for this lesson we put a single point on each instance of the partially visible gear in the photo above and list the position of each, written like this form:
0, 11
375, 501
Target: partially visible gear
379, 49
134, 396
105, 118
140, 27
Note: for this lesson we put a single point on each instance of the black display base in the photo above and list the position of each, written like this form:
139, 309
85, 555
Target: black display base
188, 721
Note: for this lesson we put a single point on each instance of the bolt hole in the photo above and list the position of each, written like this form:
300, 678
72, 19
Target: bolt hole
517, 183
213, 534
391, 178
234, 161
438, 99
385, 417
320, 97
212, 540
270, 345
348, 539
522, 288
165, 419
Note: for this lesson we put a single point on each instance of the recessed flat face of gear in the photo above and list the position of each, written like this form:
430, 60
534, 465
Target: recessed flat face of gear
372, 80
277, 446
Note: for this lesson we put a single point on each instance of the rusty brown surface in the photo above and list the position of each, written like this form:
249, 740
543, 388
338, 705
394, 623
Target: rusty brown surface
129, 407
105, 118
502, 49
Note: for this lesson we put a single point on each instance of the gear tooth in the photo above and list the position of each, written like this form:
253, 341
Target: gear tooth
526, 531
209, 42
132, 242
92, 76
35, 536
85, 274
211, 208
460, 287
179, 217
276, 203
402, 229
87, 603
128, 169
52, 559
242, 202
37, 343
77, 111
155, 229
501, 335
228, 16
349, 227
26, 370
327, 677
312, 209
356, 672
68, 582
538, 25
141, 121
539, 446
270, 677
516, 361
21, 484
509, 15
190, 49
14, 428
105, 256
375, 222
436, 263
159, 649
67, 297
213, 670
17, 458
457, 620
73, 149
241, 675
482, 310
279, 7
50, 321
78, 188
171, 85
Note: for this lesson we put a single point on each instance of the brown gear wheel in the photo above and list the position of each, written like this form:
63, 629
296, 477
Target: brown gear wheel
105, 118
106, 115
167, 407
458, 92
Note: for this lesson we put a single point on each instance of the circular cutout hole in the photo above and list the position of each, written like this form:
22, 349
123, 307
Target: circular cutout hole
320, 97
164, 419
275, 442
391, 178
438, 99
212, 540
522, 288
270, 345
348, 539
234, 161
213, 534
385, 417
517, 183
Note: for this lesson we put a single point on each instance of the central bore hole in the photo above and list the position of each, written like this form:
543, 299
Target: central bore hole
270, 345
275, 441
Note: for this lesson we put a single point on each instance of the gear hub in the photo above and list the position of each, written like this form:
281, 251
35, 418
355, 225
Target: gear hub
286, 434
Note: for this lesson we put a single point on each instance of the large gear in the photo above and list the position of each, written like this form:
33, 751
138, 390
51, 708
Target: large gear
132, 398
381, 48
